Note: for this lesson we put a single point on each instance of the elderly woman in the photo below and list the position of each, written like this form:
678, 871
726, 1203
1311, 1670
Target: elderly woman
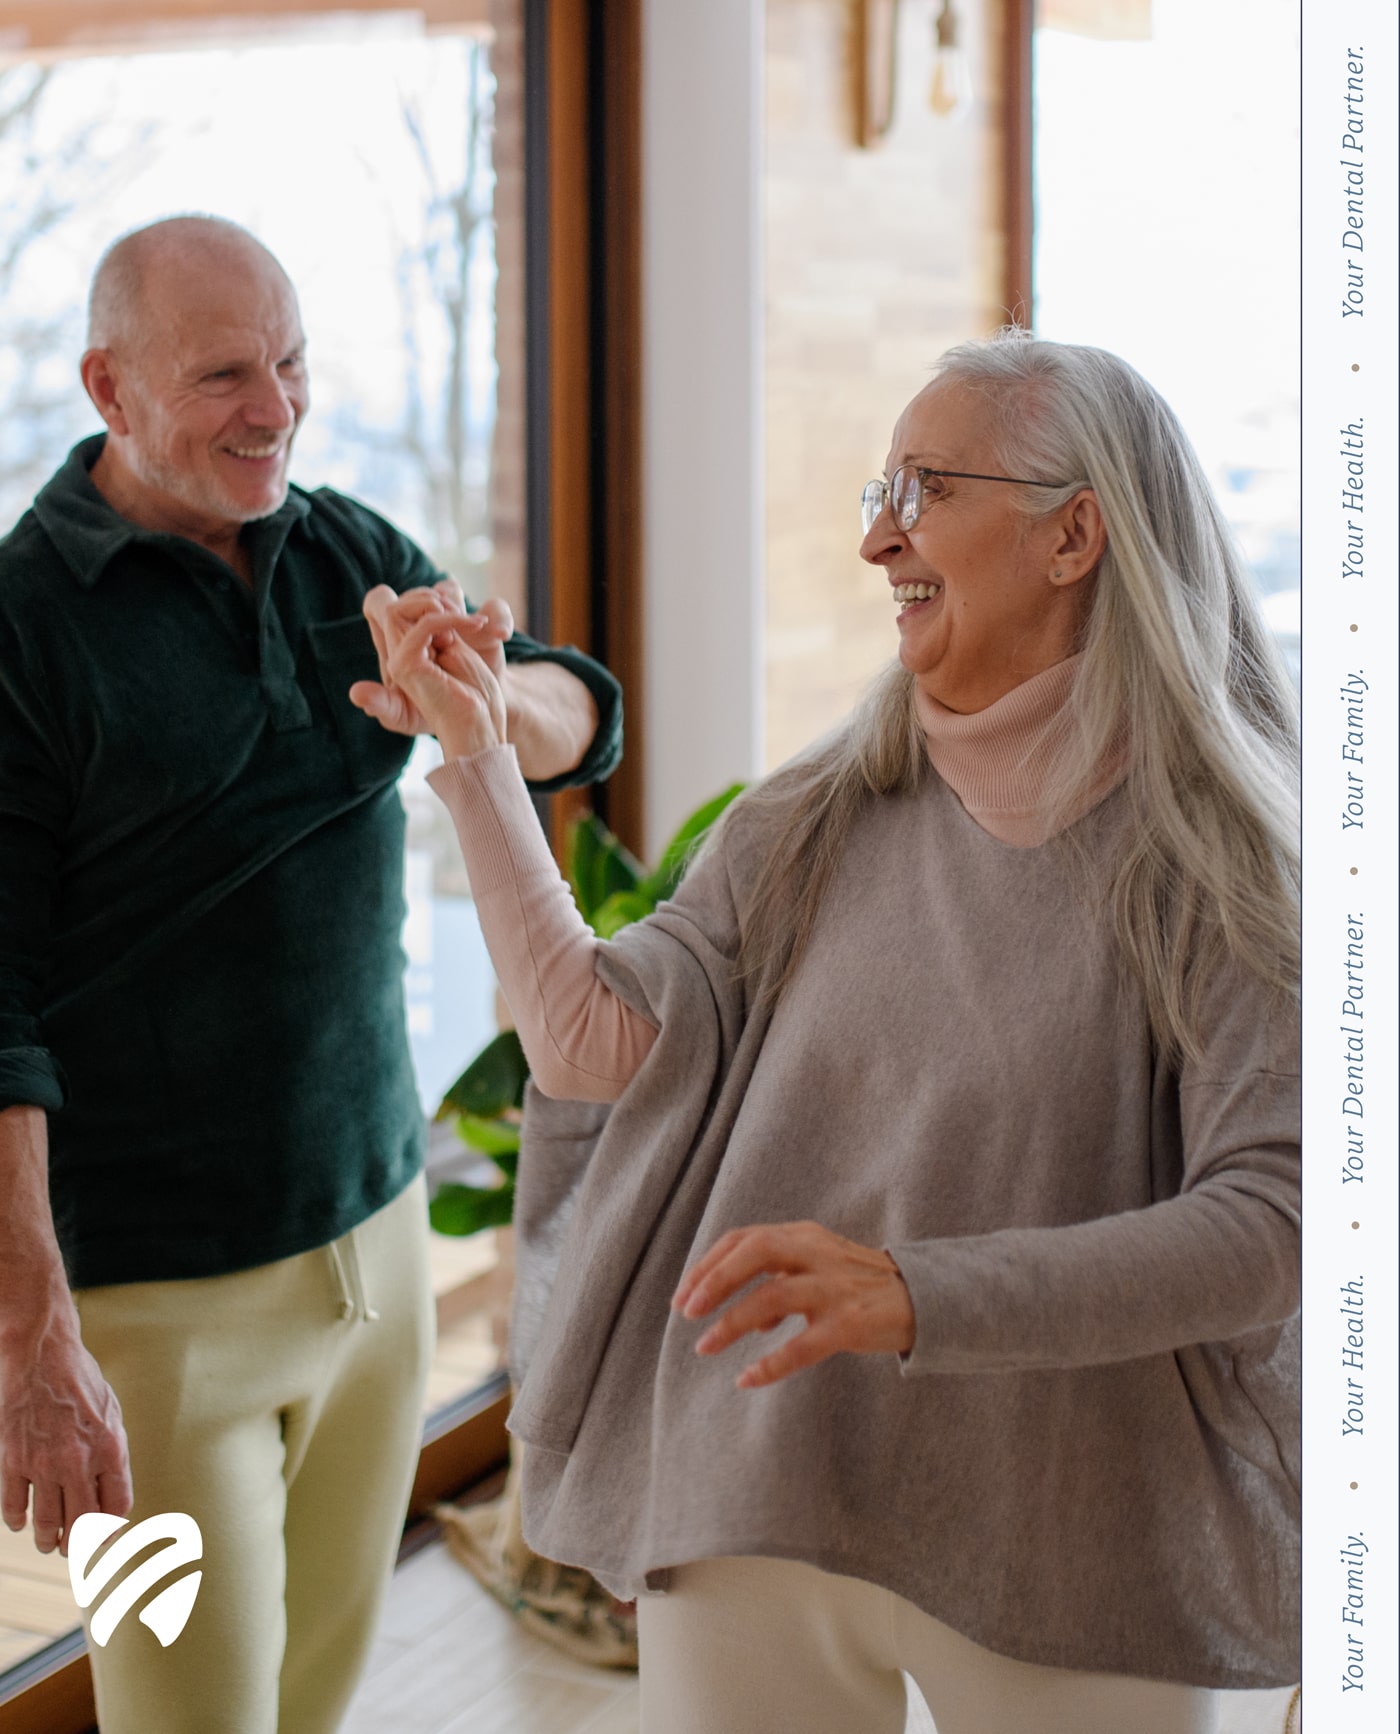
929, 1300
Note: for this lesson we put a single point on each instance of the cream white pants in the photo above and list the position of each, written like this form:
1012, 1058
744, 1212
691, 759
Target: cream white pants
773, 1646
281, 1409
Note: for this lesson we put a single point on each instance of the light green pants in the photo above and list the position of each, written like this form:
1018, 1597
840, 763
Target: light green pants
280, 1408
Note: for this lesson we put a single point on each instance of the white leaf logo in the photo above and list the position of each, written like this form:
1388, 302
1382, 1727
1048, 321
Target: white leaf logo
166, 1615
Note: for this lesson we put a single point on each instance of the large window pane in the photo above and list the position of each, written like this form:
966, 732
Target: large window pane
1166, 221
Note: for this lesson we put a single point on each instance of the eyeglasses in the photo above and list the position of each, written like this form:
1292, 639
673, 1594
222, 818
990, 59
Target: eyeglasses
907, 493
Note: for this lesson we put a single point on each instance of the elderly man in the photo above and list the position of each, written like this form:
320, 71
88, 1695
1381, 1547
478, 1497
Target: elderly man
203, 1058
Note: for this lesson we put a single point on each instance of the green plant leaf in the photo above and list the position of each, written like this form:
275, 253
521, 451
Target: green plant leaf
493, 1082
619, 911
468, 1209
494, 1138
581, 848
676, 855
598, 865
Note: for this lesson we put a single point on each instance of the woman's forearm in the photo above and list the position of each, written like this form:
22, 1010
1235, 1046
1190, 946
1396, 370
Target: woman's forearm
1212, 1264
581, 1040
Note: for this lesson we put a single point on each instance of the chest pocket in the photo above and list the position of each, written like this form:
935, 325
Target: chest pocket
343, 652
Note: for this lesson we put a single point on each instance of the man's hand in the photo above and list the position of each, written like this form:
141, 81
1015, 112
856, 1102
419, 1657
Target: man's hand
852, 1297
60, 1425
60, 1432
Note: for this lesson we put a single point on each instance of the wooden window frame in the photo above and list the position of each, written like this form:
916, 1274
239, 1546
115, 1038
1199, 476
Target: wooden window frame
1018, 160
583, 324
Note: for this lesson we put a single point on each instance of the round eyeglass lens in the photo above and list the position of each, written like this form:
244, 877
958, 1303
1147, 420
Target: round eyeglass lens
906, 496
872, 503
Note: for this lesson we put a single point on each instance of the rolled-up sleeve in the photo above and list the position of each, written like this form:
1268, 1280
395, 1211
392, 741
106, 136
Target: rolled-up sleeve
34, 802
605, 749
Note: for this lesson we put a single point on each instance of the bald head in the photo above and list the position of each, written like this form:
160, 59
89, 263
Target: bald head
140, 274
196, 363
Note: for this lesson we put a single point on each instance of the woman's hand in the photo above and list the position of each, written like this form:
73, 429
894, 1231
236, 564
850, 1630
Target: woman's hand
852, 1297
437, 662
390, 616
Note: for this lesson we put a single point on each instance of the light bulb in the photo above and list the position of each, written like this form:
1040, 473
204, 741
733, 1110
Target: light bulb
950, 91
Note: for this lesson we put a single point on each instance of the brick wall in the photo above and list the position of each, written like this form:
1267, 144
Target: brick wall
876, 261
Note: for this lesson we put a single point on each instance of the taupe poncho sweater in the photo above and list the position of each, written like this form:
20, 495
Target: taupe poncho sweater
1089, 1459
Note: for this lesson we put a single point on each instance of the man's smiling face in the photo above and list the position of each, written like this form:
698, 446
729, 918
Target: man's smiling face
212, 390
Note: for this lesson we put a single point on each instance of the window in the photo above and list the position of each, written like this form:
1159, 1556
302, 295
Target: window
1151, 120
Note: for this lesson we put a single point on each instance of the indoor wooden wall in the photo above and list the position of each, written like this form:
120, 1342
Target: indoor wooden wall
876, 261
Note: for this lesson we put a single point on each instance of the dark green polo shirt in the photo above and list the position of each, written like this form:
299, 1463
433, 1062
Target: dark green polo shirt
201, 879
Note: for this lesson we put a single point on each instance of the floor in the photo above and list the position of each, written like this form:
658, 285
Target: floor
449, 1660
36, 1603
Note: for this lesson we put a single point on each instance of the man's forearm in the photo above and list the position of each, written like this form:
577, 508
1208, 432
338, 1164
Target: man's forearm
61, 1430
551, 718
32, 1282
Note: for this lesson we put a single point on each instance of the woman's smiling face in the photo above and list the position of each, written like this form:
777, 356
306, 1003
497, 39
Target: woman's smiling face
1003, 599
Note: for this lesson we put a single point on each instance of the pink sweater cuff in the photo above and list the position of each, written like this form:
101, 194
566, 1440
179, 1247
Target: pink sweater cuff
496, 821
581, 1040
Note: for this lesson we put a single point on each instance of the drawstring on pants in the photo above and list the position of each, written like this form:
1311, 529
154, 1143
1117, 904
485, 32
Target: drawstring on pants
354, 1303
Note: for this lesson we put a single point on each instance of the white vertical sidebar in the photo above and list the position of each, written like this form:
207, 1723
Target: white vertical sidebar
1351, 889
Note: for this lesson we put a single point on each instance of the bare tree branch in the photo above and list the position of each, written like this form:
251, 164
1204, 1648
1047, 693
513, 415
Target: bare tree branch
48, 175
439, 316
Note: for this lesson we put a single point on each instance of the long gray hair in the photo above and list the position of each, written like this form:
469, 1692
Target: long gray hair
1176, 659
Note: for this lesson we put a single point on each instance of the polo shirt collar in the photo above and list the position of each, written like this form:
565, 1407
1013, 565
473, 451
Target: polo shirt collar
89, 534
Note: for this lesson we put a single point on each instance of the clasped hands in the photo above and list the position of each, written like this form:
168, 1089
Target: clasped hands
443, 671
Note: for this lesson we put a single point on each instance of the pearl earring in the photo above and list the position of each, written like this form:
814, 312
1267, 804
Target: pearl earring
1058, 573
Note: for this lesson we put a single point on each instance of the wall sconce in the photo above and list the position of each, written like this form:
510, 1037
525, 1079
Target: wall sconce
950, 87
950, 90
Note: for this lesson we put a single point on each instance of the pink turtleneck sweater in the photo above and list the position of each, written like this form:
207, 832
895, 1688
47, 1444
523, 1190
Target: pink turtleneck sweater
583, 1042
999, 761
